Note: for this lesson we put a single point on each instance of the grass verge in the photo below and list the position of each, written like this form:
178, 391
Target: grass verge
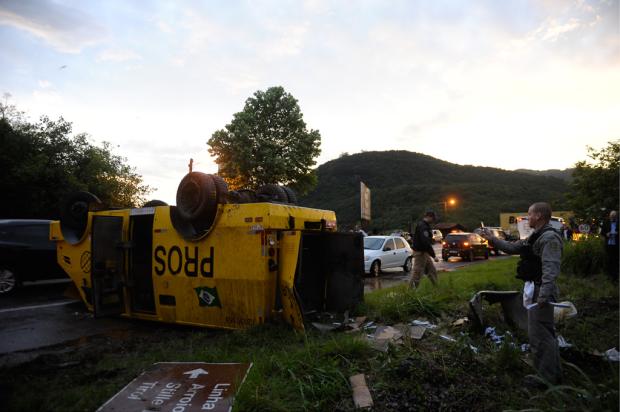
297, 372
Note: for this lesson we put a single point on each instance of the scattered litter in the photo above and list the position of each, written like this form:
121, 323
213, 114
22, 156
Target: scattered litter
424, 323
612, 355
563, 311
490, 332
562, 343
388, 332
417, 331
512, 307
354, 324
460, 322
382, 337
361, 394
326, 327
448, 338
525, 347
369, 325
474, 349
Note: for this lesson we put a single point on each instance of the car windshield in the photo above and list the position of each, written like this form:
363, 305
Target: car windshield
373, 243
456, 237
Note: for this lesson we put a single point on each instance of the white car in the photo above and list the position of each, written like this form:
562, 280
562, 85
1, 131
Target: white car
383, 252
437, 236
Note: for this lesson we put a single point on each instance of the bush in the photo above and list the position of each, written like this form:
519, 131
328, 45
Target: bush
584, 257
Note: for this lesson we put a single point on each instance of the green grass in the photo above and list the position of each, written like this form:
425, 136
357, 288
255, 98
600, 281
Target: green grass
450, 297
309, 372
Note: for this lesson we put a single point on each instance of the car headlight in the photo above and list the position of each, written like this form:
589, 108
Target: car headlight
366, 258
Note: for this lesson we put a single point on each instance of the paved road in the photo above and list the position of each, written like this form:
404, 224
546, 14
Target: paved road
40, 314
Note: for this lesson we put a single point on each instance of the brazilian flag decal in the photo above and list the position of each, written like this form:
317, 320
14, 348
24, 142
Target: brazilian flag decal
208, 297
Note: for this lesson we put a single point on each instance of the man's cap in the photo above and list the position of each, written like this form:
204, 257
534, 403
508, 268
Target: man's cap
430, 213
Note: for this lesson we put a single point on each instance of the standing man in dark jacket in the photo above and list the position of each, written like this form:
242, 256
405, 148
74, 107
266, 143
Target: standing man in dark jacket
423, 253
610, 234
539, 266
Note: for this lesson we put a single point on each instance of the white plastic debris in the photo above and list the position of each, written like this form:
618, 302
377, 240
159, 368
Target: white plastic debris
612, 355
424, 323
448, 338
562, 343
460, 322
563, 310
490, 332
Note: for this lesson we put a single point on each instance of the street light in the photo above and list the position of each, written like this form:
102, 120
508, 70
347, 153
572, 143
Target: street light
451, 202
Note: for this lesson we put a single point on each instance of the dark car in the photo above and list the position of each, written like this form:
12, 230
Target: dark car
26, 253
499, 233
465, 245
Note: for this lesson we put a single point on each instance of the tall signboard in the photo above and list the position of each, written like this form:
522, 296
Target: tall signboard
364, 202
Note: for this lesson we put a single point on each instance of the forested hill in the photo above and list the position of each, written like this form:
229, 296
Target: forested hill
403, 184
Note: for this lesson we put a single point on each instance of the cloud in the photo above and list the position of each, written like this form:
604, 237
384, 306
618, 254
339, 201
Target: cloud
66, 29
118, 55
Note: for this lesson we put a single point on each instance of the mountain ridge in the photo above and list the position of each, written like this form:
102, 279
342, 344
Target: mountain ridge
403, 184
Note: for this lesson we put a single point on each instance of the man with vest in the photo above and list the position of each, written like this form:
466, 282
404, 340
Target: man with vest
539, 267
423, 253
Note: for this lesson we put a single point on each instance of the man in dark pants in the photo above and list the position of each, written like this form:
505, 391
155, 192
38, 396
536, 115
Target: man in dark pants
423, 253
541, 256
610, 234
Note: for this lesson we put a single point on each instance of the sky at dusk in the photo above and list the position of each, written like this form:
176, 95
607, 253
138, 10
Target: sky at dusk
509, 84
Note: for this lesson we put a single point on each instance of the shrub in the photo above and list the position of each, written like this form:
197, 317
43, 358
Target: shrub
584, 258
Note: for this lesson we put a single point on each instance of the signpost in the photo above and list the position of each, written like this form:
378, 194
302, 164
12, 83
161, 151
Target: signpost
181, 387
364, 202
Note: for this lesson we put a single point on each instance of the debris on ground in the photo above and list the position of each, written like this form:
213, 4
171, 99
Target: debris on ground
563, 310
448, 338
460, 322
326, 327
426, 324
562, 343
382, 337
512, 306
361, 395
491, 333
612, 355
417, 331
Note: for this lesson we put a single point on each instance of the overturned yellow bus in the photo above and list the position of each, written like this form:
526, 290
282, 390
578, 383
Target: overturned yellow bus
217, 259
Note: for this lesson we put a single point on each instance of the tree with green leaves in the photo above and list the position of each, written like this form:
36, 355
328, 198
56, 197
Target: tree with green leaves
267, 142
594, 189
42, 164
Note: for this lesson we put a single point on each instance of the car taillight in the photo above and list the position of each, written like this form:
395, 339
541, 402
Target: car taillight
443, 243
465, 244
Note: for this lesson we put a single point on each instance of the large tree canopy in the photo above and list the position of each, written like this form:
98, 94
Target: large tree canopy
267, 142
594, 189
41, 164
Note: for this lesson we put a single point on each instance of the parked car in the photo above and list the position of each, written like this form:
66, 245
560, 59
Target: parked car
437, 236
465, 245
383, 252
404, 235
26, 253
499, 233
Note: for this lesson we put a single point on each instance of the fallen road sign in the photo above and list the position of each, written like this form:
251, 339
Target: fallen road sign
181, 387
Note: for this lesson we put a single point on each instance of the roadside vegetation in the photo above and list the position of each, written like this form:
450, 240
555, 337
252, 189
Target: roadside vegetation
297, 372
